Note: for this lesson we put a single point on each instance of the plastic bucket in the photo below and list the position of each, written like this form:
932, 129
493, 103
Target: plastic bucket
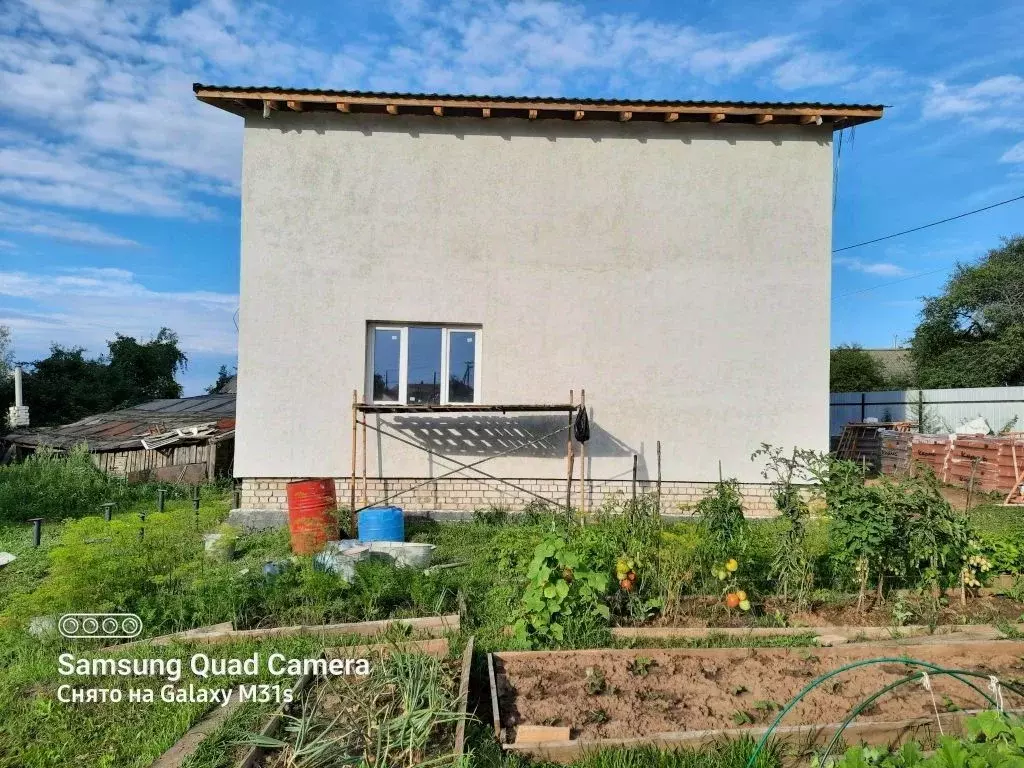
382, 524
311, 521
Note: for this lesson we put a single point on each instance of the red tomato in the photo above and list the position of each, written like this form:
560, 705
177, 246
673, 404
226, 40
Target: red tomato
732, 600
626, 584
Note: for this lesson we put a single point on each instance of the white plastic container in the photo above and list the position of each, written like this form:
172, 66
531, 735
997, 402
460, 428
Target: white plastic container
403, 553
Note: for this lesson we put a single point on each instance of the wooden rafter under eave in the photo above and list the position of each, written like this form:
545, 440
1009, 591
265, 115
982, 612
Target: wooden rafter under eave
243, 101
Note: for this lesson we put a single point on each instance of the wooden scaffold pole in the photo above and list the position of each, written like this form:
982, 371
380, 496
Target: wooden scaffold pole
659, 478
366, 499
583, 465
352, 484
568, 461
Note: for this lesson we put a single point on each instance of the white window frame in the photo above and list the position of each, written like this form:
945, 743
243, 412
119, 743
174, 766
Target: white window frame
403, 359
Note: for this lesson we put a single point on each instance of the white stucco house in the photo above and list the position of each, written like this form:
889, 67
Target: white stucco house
440, 255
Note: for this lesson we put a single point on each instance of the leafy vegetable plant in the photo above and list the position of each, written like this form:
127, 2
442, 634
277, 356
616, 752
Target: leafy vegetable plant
559, 590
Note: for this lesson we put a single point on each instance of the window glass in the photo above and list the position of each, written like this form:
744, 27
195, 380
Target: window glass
387, 353
461, 366
424, 387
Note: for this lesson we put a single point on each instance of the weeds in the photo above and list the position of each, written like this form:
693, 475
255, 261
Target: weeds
56, 486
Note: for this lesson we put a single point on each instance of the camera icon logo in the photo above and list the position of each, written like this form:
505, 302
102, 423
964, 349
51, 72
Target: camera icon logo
103, 626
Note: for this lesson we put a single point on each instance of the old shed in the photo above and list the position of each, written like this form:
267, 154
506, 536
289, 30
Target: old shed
188, 439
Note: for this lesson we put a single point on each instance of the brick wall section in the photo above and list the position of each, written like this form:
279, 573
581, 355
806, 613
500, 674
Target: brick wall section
466, 495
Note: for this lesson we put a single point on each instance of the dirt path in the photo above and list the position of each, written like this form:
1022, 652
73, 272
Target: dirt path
683, 690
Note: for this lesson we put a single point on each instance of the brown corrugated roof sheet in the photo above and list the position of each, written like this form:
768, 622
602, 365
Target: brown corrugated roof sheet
123, 429
245, 99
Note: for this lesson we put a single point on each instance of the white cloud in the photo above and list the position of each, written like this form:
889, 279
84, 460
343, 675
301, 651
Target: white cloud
881, 268
87, 307
1014, 154
810, 70
101, 89
993, 104
57, 226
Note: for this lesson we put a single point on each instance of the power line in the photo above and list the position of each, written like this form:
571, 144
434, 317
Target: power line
891, 282
932, 224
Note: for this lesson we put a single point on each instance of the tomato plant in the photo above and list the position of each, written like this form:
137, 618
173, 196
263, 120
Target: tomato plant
791, 566
720, 525
559, 590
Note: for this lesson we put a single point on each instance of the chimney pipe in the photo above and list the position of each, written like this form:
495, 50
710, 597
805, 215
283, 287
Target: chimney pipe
17, 416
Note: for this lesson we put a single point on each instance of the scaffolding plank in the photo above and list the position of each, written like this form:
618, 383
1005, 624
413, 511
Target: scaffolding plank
463, 408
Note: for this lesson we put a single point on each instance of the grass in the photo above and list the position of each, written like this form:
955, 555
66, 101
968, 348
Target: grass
57, 487
726, 754
86, 564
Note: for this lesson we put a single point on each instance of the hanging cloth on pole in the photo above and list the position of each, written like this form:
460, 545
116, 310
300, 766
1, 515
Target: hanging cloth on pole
581, 426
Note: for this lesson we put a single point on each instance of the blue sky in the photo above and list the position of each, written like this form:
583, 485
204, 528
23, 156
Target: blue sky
119, 193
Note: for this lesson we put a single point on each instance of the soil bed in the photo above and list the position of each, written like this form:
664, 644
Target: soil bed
602, 694
711, 612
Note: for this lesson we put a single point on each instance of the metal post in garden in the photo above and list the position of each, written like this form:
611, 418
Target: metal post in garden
142, 519
37, 531
634, 477
195, 504
161, 495
108, 510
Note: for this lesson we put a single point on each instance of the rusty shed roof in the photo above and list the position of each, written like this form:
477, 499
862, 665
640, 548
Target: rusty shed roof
124, 429
243, 100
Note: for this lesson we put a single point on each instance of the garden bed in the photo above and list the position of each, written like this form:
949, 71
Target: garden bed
327, 709
608, 697
897, 609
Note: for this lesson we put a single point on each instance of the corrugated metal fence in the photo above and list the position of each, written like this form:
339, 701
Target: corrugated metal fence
944, 409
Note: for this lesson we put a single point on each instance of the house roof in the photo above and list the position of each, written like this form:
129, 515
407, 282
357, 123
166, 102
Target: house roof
125, 429
262, 99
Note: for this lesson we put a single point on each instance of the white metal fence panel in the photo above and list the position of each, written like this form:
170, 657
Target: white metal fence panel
944, 409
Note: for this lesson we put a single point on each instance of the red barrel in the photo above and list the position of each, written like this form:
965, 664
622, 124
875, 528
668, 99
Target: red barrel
311, 521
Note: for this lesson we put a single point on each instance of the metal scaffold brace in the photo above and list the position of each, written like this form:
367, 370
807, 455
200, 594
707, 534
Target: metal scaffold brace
360, 411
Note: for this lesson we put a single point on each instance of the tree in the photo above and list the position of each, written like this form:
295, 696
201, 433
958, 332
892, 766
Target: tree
852, 369
140, 372
223, 377
67, 386
972, 335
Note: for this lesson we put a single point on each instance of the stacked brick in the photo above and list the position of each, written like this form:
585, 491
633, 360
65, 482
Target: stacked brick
988, 463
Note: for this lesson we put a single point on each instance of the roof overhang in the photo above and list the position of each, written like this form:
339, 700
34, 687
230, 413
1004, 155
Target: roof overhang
247, 101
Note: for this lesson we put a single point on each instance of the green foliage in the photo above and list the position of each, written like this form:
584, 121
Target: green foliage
67, 386
935, 539
721, 527
852, 369
993, 740
628, 534
559, 592
901, 529
972, 335
791, 565
56, 486
403, 714
223, 377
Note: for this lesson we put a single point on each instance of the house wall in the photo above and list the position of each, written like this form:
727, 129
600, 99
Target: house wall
679, 273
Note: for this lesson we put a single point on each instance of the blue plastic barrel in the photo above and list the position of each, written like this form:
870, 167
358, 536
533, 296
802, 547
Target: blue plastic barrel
382, 524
